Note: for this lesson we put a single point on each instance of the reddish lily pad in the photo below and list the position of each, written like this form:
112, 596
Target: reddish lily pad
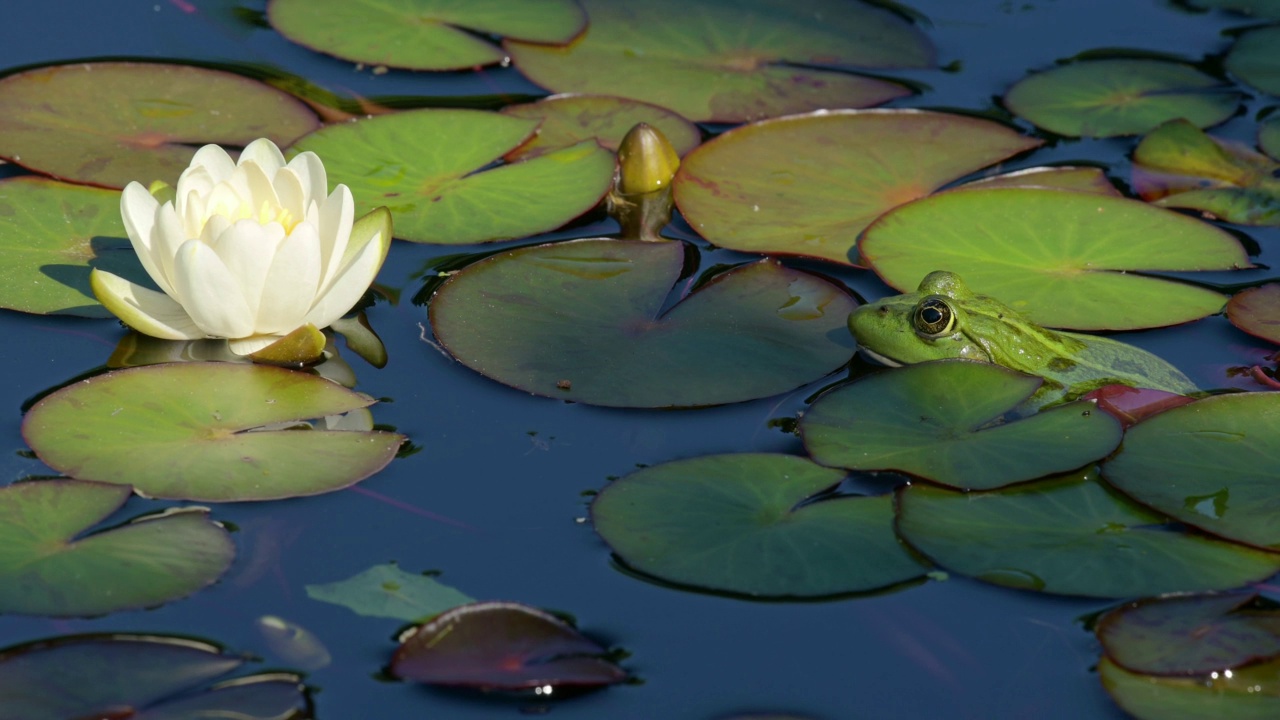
1131, 405
1257, 311
569, 119
388, 591
1248, 693
1255, 59
109, 123
207, 431
676, 53
584, 321
502, 646
422, 34
807, 185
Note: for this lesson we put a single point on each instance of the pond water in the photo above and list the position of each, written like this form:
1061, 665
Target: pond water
496, 498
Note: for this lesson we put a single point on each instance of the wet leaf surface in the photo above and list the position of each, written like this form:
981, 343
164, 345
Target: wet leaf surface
1250, 693
387, 591
569, 119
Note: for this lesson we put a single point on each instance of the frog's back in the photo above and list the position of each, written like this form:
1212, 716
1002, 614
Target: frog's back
1104, 361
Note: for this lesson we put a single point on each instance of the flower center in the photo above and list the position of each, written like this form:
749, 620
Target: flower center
266, 213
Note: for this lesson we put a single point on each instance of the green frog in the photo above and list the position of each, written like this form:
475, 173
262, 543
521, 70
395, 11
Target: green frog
944, 319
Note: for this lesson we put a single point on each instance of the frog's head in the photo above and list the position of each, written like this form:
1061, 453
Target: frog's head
928, 324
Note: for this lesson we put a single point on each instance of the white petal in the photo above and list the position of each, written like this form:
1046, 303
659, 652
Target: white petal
227, 199
210, 294
147, 311
138, 209
263, 153
311, 171
351, 282
261, 190
247, 249
336, 218
290, 287
292, 193
251, 344
167, 235
215, 161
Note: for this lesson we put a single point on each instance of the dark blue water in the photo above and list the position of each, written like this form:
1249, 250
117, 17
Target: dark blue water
514, 500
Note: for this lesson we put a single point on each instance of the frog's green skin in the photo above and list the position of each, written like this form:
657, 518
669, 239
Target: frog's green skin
944, 319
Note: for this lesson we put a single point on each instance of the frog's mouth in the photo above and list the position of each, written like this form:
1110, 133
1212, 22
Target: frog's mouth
882, 359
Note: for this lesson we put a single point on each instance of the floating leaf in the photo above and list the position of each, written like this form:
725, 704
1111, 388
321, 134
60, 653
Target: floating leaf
941, 421
1064, 177
1257, 311
1250, 693
47, 569
807, 185
1105, 98
1269, 136
568, 119
196, 431
108, 123
743, 524
1064, 259
502, 646
1131, 405
1210, 464
584, 321
155, 677
1254, 59
422, 34
388, 591
1260, 8
437, 191
292, 643
677, 54
1070, 536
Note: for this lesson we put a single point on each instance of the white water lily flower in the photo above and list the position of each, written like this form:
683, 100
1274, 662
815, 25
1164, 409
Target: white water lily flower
247, 251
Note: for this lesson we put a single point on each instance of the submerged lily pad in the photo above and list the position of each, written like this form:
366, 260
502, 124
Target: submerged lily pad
502, 646
677, 54
1210, 464
1070, 536
1259, 8
941, 421
584, 321
388, 591
569, 119
108, 123
807, 185
1064, 259
156, 677
1255, 59
422, 34
1105, 98
1257, 311
745, 524
439, 192
1248, 693
201, 431
46, 568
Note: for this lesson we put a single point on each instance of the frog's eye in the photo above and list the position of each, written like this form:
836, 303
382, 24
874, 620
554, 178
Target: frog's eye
934, 317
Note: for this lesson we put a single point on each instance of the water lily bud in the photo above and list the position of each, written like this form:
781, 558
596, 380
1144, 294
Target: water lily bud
646, 159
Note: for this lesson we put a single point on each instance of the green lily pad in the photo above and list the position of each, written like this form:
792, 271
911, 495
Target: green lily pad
741, 524
47, 569
1249, 693
808, 185
942, 421
201, 431
1258, 8
569, 119
1257, 311
108, 123
1066, 177
422, 34
387, 591
677, 54
1070, 536
156, 677
1269, 136
1210, 464
1255, 59
1106, 98
584, 321
1064, 259
438, 192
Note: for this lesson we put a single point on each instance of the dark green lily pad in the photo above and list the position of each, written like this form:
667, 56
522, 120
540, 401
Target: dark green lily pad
942, 421
422, 34
1191, 634
155, 677
201, 431
1064, 259
807, 185
1210, 464
1257, 311
1070, 536
1258, 8
502, 646
108, 123
677, 54
584, 321
740, 524
1105, 98
1066, 177
1249, 693
569, 119
48, 569
1255, 59
438, 192
387, 591
1269, 136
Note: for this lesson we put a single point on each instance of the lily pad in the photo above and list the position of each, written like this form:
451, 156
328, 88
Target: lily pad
1064, 259
1210, 464
422, 34
807, 185
941, 421
1269, 136
502, 646
439, 192
195, 431
1258, 8
46, 568
569, 119
387, 591
584, 321
1255, 59
677, 54
109, 123
1106, 98
746, 524
1071, 536
1066, 177
1257, 311
1130, 405
1249, 693
155, 677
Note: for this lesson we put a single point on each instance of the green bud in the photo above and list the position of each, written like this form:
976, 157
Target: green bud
646, 160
